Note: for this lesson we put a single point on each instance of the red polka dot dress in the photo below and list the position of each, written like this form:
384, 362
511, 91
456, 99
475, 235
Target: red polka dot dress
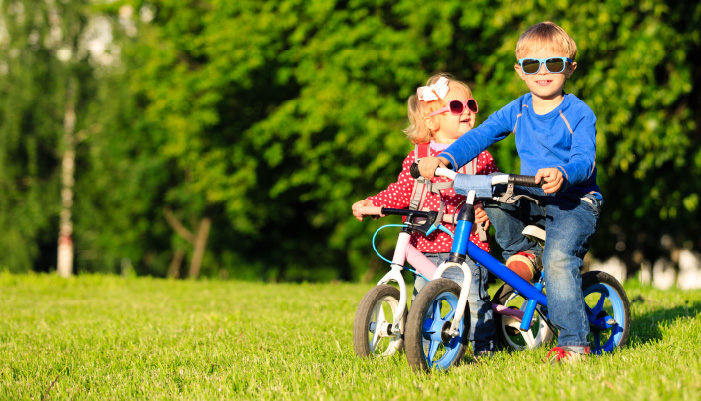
398, 194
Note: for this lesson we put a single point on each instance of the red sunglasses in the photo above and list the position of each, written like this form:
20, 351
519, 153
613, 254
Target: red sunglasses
457, 107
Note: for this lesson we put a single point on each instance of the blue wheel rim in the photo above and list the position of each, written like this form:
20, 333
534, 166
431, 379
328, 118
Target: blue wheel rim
436, 317
607, 292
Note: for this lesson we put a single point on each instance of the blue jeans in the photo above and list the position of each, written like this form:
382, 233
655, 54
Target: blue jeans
570, 222
482, 328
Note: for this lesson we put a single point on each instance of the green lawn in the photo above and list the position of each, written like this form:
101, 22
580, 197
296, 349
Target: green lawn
105, 337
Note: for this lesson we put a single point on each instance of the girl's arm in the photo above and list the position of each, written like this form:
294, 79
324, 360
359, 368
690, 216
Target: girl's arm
398, 194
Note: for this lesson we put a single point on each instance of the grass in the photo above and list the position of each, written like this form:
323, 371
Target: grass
106, 337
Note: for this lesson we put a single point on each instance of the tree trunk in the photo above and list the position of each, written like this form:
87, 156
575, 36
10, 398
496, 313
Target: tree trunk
200, 245
65, 235
174, 268
198, 241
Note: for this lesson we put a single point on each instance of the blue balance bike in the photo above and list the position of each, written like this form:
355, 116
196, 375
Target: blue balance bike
437, 326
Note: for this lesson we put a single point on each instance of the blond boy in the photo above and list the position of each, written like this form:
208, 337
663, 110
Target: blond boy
555, 137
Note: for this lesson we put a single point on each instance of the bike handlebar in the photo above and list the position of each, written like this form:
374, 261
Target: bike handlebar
383, 211
425, 225
516, 179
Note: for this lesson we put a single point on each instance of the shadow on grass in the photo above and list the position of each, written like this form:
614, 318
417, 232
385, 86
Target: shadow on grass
648, 325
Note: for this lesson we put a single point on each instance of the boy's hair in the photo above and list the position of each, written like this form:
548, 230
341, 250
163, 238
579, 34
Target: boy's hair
545, 35
417, 110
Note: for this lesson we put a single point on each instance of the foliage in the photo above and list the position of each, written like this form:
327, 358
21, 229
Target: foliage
38, 60
271, 118
107, 337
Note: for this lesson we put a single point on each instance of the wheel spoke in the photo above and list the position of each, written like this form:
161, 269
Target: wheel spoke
600, 305
450, 315
528, 338
597, 340
381, 314
510, 321
375, 341
436, 310
432, 348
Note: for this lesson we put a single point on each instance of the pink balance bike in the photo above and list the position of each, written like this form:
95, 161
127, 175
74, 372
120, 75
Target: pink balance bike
378, 329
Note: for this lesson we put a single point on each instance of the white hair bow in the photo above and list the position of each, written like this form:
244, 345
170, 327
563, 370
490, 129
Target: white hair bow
434, 92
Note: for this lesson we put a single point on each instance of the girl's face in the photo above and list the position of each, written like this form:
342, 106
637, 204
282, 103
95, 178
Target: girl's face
451, 126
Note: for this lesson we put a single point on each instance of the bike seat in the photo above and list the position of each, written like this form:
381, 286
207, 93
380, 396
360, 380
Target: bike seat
534, 233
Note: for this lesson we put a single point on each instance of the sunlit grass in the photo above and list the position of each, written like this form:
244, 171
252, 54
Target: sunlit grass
105, 337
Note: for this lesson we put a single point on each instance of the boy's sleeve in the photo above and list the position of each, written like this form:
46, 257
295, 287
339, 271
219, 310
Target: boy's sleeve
497, 127
583, 151
398, 193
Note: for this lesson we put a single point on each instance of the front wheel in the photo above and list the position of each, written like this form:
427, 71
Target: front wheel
608, 311
429, 344
373, 333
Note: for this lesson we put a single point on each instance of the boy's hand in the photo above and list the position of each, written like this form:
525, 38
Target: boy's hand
481, 216
429, 164
553, 179
356, 208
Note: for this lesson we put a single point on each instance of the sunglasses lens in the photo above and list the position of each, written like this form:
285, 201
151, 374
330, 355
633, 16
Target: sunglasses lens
456, 107
555, 65
472, 105
530, 66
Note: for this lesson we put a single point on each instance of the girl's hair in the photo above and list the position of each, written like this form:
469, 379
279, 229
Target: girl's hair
545, 35
417, 110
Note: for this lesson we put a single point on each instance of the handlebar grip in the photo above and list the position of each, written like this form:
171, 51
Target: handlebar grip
414, 170
371, 210
524, 180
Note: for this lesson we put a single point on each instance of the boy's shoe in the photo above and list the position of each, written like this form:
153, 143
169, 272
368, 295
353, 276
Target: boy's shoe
566, 354
523, 264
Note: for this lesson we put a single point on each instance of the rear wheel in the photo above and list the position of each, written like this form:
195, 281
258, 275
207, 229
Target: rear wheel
429, 344
508, 327
373, 333
608, 311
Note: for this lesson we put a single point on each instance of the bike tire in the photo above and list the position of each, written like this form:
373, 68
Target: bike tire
370, 317
605, 297
427, 345
508, 327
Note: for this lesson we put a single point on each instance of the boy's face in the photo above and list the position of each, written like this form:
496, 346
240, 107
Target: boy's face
544, 84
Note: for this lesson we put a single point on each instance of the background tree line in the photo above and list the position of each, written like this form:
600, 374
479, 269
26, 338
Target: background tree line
229, 138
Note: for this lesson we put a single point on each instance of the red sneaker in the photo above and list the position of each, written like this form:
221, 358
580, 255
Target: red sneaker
566, 354
523, 264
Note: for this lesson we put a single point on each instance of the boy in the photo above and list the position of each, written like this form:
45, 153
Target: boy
555, 137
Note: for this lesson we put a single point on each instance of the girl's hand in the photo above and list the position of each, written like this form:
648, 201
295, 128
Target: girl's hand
553, 179
481, 216
356, 208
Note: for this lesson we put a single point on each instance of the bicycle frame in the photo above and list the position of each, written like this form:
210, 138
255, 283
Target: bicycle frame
462, 247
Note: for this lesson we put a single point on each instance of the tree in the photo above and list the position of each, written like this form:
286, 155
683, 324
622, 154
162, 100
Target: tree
261, 122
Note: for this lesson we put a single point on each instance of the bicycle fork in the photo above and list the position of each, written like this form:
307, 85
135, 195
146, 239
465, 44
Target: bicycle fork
461, 241
403, 252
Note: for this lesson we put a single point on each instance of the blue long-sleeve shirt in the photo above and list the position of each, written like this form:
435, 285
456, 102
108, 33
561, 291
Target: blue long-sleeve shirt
564, 138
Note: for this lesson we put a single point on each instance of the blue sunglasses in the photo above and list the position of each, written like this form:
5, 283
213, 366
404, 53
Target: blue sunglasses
554, 65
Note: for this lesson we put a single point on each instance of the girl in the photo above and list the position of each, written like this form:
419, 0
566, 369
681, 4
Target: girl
440, 113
